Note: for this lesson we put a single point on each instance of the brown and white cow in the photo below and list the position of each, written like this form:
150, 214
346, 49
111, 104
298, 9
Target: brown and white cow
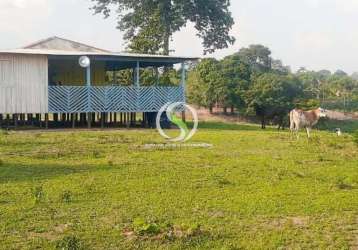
305, 119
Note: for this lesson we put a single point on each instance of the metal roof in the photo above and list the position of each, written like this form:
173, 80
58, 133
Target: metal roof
58, 43
55, 46
103, 54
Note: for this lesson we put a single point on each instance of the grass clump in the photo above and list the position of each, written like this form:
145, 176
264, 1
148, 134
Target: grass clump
70, 242
142, 227
66, 196
38, 194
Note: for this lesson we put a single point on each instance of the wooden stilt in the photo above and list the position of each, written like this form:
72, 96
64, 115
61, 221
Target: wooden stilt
7, 121
15, 120
31, 119
183, 116
40, 120
89, 120
115, 118
46, 121
128, 120
73, 119
102, 120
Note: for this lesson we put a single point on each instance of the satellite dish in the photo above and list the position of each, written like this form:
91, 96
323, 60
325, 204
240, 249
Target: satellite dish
84, 61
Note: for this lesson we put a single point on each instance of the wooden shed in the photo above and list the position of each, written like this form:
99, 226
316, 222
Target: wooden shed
45, 78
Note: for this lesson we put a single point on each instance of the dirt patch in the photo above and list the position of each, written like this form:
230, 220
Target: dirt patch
51, 235
299, 221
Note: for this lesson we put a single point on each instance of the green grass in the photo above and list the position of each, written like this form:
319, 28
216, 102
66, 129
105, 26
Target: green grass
253, 189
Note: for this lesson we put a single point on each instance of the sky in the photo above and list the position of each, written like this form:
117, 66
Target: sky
316, 34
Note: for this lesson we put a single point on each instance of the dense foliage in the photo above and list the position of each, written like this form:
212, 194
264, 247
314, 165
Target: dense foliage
251, 81
149, 25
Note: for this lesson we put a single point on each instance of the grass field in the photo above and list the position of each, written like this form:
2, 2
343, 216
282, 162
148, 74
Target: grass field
105, 190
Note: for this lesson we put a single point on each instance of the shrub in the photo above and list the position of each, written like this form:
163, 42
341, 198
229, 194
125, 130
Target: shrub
69, 242
141, 227
66, 196
38, 194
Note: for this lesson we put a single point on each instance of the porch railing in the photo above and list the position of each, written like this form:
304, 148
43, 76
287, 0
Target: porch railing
71, 99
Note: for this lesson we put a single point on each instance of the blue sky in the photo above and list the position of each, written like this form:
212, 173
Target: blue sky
317, 34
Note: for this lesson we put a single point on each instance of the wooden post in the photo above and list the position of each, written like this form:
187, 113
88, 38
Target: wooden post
137, 74
89, 120
88, 81
15, 120
102, 119
39, 118
46, 121
128, 120
73, 119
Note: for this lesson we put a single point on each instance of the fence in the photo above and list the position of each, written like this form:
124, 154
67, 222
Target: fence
72, 99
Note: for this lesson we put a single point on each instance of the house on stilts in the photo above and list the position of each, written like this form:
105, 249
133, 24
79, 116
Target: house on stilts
59, 82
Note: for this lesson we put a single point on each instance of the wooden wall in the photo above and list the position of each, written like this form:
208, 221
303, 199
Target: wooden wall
23, 84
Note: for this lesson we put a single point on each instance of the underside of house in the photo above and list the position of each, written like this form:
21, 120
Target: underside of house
43, 83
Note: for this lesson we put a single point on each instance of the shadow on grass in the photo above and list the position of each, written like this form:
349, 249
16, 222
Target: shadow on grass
233, 126
37, 172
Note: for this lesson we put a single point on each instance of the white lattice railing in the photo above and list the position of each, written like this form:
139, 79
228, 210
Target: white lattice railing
71, 99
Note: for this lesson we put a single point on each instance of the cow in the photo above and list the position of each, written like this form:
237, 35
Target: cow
276, 114
305, 119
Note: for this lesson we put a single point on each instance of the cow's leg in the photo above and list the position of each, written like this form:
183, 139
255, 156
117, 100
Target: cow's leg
263, 125
296, 129
308, 129
292, 123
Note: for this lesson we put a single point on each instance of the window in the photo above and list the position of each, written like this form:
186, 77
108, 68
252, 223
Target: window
6, 72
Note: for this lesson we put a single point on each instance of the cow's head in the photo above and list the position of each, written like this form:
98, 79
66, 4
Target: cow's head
322, 112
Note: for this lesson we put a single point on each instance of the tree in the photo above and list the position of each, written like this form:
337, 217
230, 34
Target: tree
236, 76
149, 25
279, 68
273, 96
257, 56
340, 73
324, 74
311, 83
206, 83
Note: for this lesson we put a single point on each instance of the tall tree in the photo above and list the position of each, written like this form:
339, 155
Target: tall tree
236, 75
258, 57
207, 85
150, 24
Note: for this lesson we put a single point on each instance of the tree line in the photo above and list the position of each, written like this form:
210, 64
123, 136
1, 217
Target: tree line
251, 81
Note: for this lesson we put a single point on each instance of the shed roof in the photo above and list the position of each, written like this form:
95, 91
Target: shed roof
55, 46
58, 43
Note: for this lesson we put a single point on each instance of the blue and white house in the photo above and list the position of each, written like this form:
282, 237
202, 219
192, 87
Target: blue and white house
46, 77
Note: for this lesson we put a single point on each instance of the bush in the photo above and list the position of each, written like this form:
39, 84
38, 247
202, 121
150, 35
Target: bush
141, 227
66, 196
38, 194
70, 242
